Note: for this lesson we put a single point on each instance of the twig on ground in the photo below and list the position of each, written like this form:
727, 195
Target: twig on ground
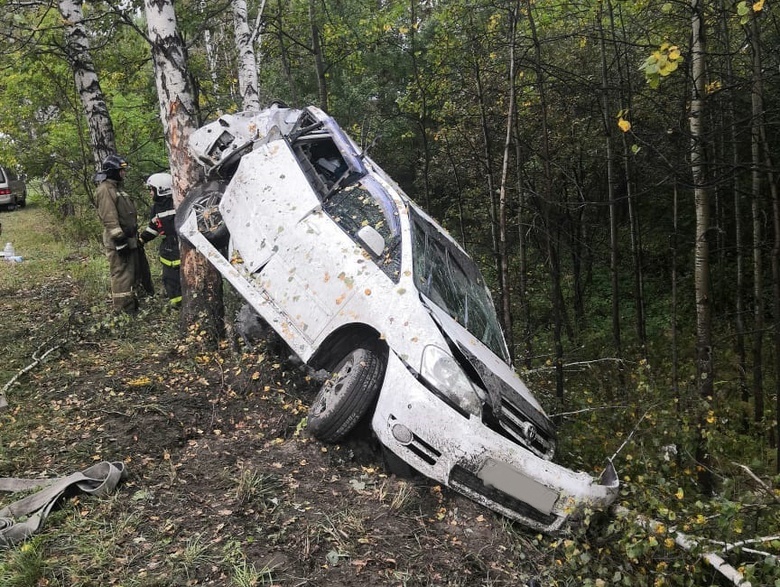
688, 543
729, 546
755, 478
37, 360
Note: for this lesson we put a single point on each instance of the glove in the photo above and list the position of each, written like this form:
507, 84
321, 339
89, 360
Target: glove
122, 246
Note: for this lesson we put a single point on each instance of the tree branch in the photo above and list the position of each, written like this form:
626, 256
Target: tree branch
687, 543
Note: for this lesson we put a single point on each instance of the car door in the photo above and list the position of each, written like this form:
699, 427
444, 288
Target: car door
306, 265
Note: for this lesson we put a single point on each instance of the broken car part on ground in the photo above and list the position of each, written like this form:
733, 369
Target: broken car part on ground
359, 281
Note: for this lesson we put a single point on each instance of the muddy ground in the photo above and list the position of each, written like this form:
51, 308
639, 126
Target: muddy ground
223, 477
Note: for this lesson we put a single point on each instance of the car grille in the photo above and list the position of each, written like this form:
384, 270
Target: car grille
515, 426
515, 419
467, 481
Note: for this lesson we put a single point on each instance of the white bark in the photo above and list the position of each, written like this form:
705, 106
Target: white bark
247, 61
178, 110
201, 283
688, 543
101, 129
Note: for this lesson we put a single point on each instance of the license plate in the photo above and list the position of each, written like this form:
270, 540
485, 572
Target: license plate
512, 482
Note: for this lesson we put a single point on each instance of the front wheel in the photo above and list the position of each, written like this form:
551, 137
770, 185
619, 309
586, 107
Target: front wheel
346, 396
204, 200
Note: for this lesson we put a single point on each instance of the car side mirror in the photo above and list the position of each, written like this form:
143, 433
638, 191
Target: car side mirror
373, 241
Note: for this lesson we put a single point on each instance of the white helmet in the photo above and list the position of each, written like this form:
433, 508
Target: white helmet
162, 184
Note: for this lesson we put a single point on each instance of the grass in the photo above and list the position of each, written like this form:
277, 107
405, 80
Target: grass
227, 488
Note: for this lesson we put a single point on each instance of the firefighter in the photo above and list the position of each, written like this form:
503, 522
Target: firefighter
162, 224
119, 217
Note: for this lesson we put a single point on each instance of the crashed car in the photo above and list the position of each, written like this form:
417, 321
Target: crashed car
359, 281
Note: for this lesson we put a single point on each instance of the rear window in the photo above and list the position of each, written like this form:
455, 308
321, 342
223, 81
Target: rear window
3, 177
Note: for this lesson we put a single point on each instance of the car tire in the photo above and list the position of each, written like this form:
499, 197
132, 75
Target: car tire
204, 200
346, 396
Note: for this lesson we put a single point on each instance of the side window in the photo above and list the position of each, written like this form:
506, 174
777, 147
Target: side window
354, 207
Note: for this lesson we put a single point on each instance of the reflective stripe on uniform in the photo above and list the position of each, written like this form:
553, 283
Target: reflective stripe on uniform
169, 263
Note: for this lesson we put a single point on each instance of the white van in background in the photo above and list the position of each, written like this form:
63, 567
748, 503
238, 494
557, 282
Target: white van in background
13, 189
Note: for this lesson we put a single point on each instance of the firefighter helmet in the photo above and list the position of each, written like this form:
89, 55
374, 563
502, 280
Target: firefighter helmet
114, 162
161, 184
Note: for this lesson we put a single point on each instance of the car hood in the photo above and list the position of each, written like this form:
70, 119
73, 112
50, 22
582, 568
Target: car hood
500, 380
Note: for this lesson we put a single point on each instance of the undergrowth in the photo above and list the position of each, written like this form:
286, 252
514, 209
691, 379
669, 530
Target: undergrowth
228, 490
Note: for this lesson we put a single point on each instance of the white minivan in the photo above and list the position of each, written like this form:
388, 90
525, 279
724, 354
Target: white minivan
361, 282
13, 189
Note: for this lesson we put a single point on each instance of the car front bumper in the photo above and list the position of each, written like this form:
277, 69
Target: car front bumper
465, 455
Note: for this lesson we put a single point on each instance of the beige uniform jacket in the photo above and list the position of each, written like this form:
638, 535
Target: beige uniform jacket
118, 214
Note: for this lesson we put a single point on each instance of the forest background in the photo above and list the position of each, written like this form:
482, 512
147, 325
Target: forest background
610, 164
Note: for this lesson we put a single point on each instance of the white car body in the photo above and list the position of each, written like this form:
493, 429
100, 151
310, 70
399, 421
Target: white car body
301, 255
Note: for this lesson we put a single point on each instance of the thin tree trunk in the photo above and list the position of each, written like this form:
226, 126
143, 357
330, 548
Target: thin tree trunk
739, 249
488, 161
77, 48
503, 255
614, 253
247, 61
758, 258
283, 53
675, 359
547, 197
704, 362
522, 253
319, 59
636, 250
202, 308
765, 148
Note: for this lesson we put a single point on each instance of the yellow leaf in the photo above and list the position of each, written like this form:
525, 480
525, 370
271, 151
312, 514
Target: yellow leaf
624, 124
680, 493
758, 6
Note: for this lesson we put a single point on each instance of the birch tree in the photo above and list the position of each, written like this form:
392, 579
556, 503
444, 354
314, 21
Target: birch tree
704, 362
201, 283
247, 60
77, 51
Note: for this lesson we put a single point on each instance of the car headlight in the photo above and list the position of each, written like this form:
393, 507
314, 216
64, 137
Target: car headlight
443, 373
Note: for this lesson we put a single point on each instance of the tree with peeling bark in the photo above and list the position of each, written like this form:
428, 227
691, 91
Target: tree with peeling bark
202, 308
247, 61
77, 50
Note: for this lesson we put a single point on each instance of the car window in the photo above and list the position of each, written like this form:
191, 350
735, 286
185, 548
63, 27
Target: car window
2, 175
366, 204
325, 154
450, 279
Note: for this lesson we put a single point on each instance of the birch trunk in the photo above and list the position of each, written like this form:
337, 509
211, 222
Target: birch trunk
247, 61
201, 283
704, 363
77, 48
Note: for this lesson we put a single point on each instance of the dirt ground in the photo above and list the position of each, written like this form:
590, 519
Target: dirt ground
224, 480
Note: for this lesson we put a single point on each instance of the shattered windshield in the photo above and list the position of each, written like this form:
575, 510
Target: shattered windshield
451, 280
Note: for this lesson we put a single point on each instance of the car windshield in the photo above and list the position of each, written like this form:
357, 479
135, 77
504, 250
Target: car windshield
450, 279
